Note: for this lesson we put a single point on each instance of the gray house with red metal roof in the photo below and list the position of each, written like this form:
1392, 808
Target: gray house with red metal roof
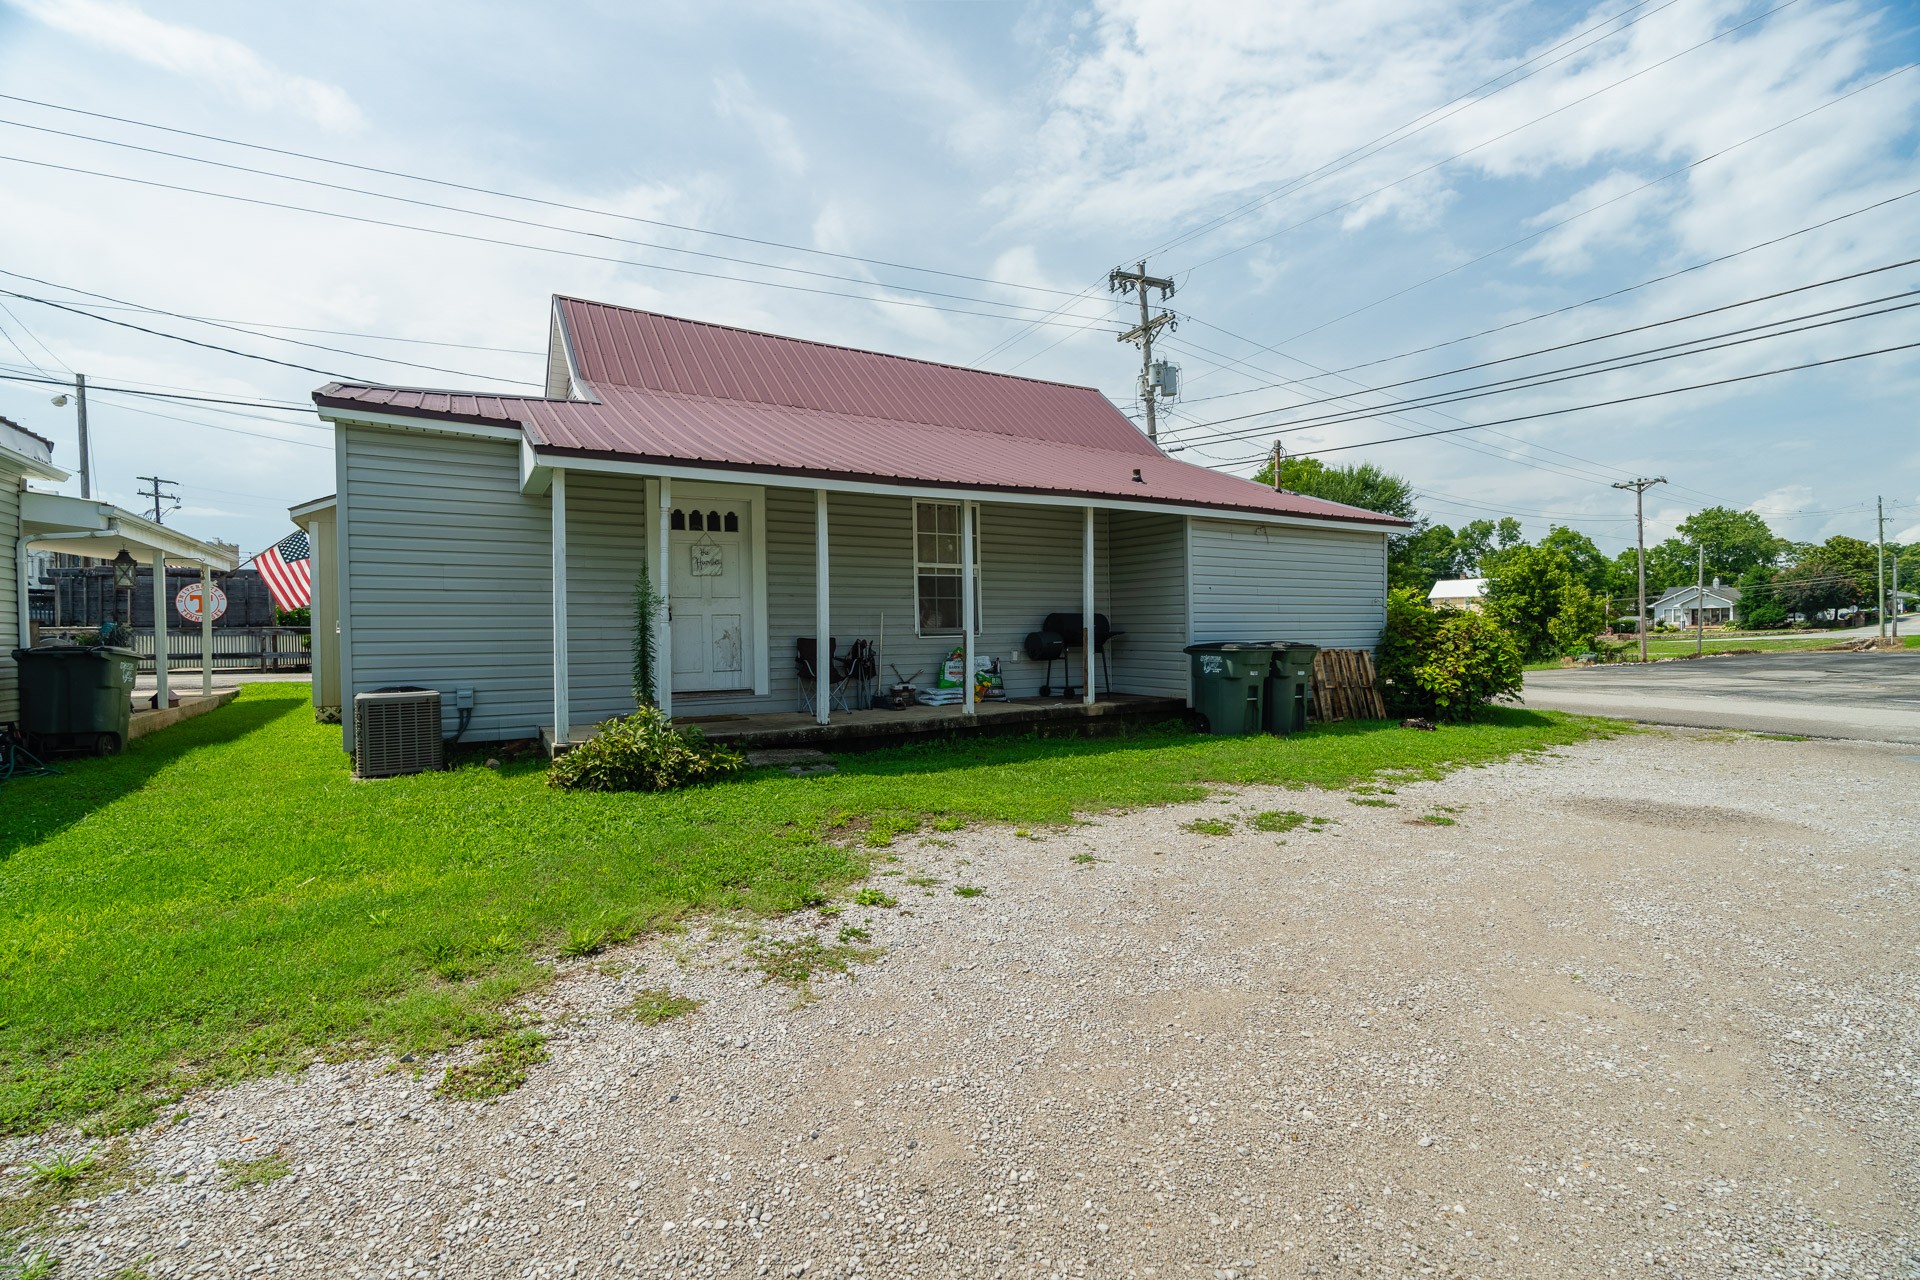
780, 490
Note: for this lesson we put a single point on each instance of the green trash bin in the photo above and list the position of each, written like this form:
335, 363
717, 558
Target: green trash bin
77, 698
1230, 684
1289, 686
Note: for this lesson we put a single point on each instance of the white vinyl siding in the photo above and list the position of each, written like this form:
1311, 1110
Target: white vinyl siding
448, 576
10, 637
1149, 558
606, 545
1274, 582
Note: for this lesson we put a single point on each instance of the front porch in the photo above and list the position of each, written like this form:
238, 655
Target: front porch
868, 729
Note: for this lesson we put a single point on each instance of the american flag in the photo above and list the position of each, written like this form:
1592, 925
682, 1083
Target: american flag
285, 565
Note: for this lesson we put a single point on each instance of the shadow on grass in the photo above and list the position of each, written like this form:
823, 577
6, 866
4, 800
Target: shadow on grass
33, 809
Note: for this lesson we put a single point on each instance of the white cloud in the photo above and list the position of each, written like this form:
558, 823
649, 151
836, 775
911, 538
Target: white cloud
734, 99
217, 60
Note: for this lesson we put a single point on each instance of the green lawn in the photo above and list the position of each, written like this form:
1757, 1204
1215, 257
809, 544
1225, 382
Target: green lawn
224, 900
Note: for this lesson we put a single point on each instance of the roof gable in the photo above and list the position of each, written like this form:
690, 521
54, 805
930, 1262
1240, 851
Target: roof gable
644, 350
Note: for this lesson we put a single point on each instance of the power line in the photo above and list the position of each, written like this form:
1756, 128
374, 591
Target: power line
1469, 446
1535, 235
510, 195
1575, 306
1466, 101
501, 217
1304, 180
164, 395
247, 325
194, 342
533, 248
234, 328
1605, 404
1568, 373
1580, 342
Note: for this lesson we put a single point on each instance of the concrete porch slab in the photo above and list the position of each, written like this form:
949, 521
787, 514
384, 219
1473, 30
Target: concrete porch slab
868, 729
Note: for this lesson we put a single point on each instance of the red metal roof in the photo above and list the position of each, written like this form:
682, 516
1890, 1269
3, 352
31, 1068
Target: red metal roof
678, 391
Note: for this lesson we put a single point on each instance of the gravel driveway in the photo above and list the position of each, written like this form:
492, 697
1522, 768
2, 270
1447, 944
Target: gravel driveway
1649, 1008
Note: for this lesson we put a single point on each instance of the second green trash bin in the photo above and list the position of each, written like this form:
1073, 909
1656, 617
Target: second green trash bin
1230, 684
1289, 687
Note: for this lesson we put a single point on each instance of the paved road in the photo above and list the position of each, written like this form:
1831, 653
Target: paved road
1909, 625
1874, 696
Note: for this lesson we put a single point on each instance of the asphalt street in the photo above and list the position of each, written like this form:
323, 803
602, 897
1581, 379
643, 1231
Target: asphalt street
1873, 696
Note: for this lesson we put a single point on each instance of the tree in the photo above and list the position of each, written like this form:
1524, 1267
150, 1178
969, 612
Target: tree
1534, 593
1590, 567
1759, 606
1822, 579
1479, 541
1735, 541
1362, 485
1427, 556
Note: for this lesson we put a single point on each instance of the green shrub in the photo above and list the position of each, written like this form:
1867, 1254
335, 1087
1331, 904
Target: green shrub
643, 752
1472, 662
1411, 626
1443, 662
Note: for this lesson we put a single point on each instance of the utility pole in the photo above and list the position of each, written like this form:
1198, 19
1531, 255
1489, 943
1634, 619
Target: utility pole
1880, 563
159, 494
1138, 281
60, 402
86, 455
1279, 452
1700, 605
1640, 487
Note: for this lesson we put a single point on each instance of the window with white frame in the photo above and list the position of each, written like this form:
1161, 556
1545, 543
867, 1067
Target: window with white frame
937, 568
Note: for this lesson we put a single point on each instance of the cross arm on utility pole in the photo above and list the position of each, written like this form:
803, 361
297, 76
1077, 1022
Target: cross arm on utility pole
1164, 320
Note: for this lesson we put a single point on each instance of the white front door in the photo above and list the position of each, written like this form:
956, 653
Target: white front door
710, 595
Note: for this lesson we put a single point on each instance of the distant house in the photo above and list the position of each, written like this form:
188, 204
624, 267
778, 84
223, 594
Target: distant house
780, 492
1459, 593
1682, 606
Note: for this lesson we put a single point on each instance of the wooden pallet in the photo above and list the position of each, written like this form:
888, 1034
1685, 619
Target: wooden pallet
1344, 687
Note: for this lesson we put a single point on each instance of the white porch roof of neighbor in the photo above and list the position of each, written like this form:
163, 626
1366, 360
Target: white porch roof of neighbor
89, 527
1458, 589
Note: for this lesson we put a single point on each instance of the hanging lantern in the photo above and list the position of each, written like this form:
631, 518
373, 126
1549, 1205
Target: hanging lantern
123, 567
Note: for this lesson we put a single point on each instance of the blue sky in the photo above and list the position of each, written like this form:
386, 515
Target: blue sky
1029, 147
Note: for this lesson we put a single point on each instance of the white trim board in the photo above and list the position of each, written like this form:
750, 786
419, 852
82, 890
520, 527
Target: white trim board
534, 464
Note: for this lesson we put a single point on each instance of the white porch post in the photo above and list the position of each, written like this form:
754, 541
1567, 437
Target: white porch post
822, 615
160, 628
663, 587
206, 631
1086, 605
966, 607
562, 694
22, 616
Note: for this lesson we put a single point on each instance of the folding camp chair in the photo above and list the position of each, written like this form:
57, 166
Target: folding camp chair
806, 655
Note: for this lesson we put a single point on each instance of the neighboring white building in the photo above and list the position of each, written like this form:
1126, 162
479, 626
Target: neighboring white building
781, 490
1681, 606
1459, 593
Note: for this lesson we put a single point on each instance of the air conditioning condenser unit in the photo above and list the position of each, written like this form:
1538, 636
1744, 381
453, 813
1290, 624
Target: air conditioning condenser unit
395, 732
